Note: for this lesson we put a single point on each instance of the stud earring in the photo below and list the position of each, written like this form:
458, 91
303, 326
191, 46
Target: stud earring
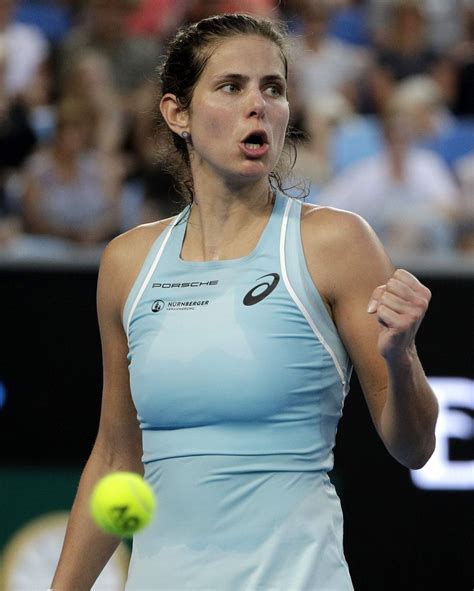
186, 136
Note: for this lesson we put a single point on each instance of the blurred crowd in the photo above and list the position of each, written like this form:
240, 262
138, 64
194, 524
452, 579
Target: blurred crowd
382, 105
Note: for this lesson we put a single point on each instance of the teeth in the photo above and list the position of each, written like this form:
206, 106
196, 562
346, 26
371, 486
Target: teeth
252, 146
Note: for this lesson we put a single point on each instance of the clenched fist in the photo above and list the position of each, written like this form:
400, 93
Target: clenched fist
400, 306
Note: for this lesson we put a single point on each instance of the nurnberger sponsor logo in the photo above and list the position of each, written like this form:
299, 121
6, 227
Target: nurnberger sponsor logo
189, 304
159, 305
186, 284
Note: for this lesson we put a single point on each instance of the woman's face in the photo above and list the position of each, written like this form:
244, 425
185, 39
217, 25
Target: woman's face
242, 91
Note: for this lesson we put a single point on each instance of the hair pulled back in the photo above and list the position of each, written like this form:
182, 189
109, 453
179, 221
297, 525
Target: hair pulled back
186, 57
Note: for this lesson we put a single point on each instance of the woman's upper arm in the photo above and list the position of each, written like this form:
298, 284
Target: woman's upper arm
349, 263
119, 433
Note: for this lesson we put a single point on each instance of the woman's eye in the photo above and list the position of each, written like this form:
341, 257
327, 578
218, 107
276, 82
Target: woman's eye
229, 88
274, 91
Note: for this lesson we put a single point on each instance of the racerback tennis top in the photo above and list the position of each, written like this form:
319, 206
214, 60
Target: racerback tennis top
238, 376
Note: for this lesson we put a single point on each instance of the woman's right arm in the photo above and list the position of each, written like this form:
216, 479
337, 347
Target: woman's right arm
87, 549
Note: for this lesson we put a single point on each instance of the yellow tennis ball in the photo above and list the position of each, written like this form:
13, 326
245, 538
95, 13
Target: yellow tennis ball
122, 503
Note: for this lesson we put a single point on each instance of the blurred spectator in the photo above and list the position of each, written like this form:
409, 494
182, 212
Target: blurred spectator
313, 162
72, 191
52, 17
337, 138
160, 197
17, 141
420, 98
323, 64
38, 99
105, 29
405, 52
443, 20
465, 175
17, 138
349, 23
89, 79
162, 17
433, 125
23, 50
405, 193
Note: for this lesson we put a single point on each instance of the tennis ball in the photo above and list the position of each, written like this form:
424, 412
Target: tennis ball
122, 503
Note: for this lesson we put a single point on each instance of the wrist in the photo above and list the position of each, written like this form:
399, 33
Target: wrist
402, 360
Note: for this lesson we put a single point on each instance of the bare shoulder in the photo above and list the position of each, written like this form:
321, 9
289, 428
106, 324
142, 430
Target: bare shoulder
340, 249
334, 228
123, 258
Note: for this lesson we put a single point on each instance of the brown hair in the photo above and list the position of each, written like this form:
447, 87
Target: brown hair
187, 56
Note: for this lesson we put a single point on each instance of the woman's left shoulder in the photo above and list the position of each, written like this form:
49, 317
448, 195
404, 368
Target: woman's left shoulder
336, 229
341, 249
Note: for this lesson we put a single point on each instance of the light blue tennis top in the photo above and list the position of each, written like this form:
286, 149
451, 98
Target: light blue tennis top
238, 376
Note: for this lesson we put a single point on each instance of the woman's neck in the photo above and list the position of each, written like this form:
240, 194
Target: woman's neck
226, 224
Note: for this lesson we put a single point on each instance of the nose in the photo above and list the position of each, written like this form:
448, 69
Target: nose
256, 103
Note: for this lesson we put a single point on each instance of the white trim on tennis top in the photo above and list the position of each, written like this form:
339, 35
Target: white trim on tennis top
151, 271
296, 299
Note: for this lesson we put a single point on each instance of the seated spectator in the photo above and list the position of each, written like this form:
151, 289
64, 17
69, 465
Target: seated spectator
336, 138
17, 141
23, 49
406, 52
53, 17
314, 157
407, 194
433, 125
323, 64
349, 23
443, 20
160, 18
105, 29
72, 190
89, 79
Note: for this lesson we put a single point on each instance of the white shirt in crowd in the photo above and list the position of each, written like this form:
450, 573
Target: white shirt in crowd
409, 214
24, 49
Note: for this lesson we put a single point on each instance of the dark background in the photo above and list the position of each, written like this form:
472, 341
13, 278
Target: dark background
396, 536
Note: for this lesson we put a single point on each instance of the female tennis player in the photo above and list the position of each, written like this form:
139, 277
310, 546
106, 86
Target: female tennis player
229, 333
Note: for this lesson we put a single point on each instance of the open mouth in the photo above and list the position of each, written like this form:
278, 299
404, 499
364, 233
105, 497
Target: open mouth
255, 140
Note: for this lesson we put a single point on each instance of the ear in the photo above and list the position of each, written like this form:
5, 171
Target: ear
175, 116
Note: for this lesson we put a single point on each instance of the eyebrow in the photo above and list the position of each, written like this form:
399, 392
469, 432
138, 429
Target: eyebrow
242, 78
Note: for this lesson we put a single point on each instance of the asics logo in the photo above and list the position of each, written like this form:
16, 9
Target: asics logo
251, 298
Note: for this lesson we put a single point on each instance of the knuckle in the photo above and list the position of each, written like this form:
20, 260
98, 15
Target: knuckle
391, 283
422, 303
